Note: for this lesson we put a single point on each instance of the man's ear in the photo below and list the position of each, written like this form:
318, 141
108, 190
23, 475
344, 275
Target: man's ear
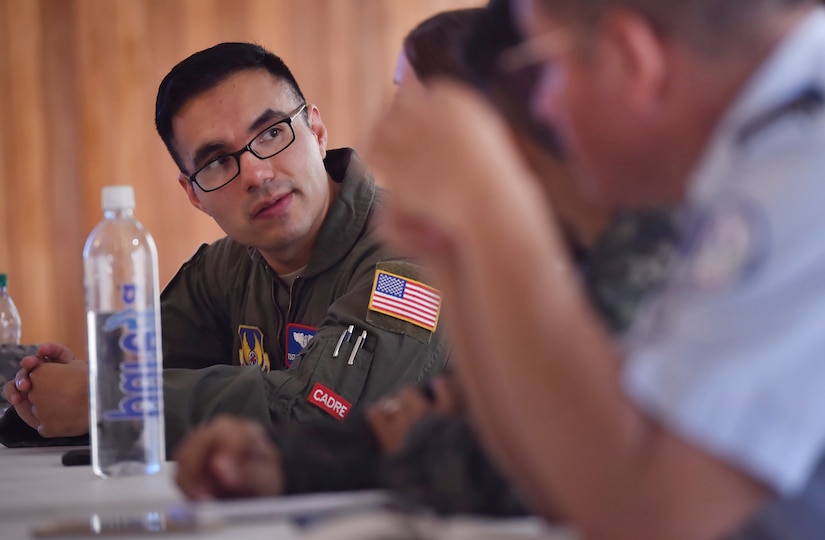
190, 193
641, 55
318, 128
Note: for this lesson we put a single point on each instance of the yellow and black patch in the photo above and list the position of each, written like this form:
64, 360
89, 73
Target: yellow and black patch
252, 352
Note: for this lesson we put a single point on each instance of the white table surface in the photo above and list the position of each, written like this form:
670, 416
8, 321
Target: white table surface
35, 489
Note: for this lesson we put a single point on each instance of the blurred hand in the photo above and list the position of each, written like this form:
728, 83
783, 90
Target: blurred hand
392, 418
20, 402
51, 392
444, 153
229, 457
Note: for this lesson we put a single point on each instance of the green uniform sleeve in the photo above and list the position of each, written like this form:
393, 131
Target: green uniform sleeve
194, 306
320, 384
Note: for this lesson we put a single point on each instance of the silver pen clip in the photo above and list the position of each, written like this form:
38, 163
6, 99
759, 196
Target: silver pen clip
346, 334
358, 344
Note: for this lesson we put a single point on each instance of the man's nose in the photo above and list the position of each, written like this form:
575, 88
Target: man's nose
254, 171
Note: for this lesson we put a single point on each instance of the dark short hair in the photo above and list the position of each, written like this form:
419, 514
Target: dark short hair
464, 44
494, 33
435, 47
206, 69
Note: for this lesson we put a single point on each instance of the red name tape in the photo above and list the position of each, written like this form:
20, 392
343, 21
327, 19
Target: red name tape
329, 401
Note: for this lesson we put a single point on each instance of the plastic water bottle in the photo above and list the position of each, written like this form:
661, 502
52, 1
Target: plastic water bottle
9, 316
123, 328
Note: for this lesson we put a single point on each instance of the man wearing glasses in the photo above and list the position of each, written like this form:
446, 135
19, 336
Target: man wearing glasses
298, 313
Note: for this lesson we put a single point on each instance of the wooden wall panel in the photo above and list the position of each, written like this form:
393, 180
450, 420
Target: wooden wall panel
77, 88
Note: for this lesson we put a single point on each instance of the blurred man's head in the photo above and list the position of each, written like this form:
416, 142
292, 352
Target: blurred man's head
508, 88
465, 45
634, 88
435, 48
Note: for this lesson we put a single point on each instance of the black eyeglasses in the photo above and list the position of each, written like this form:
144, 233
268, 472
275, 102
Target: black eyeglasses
271, 141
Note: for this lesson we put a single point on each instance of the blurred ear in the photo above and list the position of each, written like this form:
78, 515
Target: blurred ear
190, 193
318, 128
640, 57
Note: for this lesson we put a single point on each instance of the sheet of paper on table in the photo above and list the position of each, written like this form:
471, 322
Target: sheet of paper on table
211, 516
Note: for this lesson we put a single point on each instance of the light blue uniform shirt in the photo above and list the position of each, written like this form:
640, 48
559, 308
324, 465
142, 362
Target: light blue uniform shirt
732, 355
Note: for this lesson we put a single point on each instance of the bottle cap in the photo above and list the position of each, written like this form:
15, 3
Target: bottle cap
3, 280
118, 197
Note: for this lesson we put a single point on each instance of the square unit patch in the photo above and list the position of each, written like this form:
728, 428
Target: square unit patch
297, 337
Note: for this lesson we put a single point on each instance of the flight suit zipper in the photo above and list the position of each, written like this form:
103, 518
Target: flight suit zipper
281, 336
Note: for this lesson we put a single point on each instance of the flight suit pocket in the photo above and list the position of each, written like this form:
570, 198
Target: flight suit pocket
340, 373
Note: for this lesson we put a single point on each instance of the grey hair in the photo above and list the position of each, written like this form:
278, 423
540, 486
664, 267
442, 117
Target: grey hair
712, 26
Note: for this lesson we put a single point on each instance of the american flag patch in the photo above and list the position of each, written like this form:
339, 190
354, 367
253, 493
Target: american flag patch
405, 299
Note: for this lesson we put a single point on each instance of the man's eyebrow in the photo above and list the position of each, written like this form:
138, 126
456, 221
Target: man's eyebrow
205, 150
263, 119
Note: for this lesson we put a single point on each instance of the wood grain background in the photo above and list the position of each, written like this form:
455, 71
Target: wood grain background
78, 80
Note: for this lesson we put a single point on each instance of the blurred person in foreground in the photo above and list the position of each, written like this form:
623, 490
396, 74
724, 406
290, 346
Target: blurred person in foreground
296, 314
419, 441
705, 422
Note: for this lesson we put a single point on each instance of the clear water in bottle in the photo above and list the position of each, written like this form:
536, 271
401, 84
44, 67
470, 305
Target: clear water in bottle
123, 324
9, 316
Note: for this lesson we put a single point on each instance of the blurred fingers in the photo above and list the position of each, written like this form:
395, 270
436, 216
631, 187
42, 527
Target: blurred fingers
56, 352
192, 455
447, 395
392, 418
253, 468
22, 380
10, 392
230, 457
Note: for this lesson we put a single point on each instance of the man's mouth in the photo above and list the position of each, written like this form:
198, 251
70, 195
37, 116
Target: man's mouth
272, 206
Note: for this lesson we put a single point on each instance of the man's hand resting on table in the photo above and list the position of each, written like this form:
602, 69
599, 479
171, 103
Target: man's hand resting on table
234, 457
51, 392
230, 457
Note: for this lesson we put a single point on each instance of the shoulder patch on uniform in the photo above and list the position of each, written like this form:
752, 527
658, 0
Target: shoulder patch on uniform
252, 352
297, 337
399, 295
329, 402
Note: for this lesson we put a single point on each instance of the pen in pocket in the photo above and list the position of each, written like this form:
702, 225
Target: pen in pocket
346, 334
358, 344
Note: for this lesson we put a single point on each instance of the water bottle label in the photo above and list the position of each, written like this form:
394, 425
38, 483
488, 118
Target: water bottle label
137, 346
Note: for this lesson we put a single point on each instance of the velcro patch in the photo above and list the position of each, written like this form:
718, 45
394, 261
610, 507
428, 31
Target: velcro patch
328, 401
297, 337
252, 351
406, 299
